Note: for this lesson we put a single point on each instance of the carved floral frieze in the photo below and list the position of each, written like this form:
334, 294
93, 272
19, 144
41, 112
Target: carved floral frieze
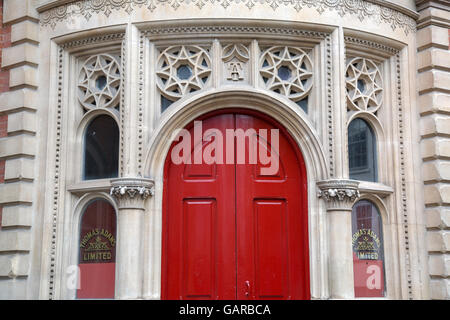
359, 8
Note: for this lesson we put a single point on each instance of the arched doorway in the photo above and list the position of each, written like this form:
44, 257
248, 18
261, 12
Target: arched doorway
232, 230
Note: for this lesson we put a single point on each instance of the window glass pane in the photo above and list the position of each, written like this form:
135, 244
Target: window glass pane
368, 250
362, 151
101, 149
97, 251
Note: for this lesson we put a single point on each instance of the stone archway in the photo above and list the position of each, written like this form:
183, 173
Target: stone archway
296, 124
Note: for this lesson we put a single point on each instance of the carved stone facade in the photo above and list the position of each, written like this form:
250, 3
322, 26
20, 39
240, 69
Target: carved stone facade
321, 65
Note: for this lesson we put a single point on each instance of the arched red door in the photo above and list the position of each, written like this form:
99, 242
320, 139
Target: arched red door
231, 231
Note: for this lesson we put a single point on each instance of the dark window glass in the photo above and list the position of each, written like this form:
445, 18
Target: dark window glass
284, 73
165, 103
368, 250
101, 149
184, 72
362, 151
304, 104
97, 251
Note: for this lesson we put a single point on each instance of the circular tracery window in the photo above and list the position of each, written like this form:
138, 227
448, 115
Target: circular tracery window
182, 70
287, 71
364, 85
99, 82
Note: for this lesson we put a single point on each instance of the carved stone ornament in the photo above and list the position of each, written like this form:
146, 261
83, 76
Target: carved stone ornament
360, 9
235, 57
364, 85
339, 194
287, 71
99, 82
182, 70
131, 193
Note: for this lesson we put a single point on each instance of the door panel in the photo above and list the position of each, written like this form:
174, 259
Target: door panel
271, 224
271, 259
230, 232
199, 258
200, 229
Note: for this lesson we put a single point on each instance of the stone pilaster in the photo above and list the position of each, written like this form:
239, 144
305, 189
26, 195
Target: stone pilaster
339, 196
434, 104
130, 194
18, 145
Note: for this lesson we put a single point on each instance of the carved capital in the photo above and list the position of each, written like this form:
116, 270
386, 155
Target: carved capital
131, 193
339, 194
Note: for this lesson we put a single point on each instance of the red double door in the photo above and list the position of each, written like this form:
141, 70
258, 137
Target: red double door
230, 232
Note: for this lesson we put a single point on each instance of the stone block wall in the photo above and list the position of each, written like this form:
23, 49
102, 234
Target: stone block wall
5, 42
18, 142
434, 104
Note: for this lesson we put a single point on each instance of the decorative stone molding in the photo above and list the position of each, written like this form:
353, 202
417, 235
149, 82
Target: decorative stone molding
101, 39
339, 194
131, 193
358, 43
57, 176
330, 104
208, 29
382, 12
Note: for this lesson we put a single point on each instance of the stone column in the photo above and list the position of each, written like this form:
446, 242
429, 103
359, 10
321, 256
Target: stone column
340, 196
131, 194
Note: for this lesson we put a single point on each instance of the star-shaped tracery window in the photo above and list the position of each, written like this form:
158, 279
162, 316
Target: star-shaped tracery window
287, 71
99, 82
364, 85
182, 70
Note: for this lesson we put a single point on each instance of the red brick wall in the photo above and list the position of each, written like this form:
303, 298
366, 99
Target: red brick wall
3, 125
5, 41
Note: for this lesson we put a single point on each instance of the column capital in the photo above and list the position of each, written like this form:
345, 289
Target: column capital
131, 193
339, 194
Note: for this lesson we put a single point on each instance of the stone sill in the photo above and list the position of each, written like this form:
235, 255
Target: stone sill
379, 189
80, 188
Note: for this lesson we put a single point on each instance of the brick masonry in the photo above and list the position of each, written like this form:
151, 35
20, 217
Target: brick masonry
5, 42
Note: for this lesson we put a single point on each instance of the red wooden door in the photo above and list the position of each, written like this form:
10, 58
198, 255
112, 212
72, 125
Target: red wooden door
230, 232
271, 220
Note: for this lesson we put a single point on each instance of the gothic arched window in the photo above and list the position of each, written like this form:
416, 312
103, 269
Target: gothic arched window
368, 250
101, 149
97, 255
362, 151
